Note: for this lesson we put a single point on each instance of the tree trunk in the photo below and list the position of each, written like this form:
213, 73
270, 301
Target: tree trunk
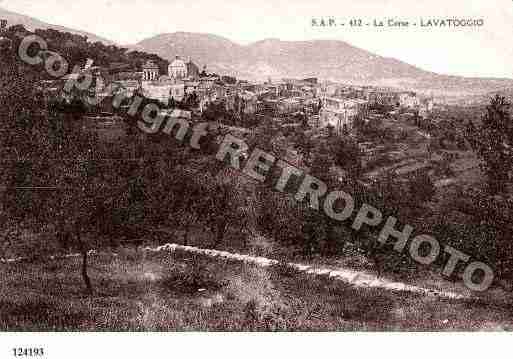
186, 235
244, 237
85, 275
220, 232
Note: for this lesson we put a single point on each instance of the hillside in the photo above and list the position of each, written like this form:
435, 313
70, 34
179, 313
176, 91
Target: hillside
76, 49
32, 24
328, 60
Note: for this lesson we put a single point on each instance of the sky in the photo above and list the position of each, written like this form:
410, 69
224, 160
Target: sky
485, 51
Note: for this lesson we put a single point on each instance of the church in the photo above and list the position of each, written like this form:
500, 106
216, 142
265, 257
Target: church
181, 70
182, 79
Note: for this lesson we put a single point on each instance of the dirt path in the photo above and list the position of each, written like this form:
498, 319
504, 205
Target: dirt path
355, 278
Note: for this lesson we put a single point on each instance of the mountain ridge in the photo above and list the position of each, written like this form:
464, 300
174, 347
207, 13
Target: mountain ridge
333, 60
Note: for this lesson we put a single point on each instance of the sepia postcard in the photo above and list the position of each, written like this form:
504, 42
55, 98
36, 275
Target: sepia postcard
271, 166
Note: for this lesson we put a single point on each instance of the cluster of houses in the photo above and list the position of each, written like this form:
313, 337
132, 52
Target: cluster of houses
183, 79
342, 105
289, 97
275, 99
321, 104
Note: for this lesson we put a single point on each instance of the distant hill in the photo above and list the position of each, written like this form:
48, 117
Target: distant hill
32, 24
326, 59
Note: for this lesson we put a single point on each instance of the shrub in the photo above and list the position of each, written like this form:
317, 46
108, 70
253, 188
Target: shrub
191, 279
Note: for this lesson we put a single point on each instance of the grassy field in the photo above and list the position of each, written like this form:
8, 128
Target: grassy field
136, 291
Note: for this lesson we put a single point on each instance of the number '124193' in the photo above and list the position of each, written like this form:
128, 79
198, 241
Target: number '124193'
28, 352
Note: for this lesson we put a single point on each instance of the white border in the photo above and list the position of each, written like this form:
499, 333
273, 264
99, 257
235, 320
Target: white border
259, 345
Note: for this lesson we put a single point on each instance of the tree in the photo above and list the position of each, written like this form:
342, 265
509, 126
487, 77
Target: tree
493, 142
322, 160
188, 192
50, 175
347, 155
226, 205
422, 188
303, 143
268, 139
216, 112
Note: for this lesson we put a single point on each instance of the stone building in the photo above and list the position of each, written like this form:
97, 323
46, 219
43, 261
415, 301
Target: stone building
150, 71
177, 69
182, 70
340, 113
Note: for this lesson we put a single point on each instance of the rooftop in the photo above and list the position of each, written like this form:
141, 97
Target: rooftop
150, 65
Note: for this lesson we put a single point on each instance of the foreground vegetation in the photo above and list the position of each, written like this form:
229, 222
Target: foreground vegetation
184, 292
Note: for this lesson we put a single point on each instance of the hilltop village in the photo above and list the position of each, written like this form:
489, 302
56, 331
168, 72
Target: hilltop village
323, 104
377, 119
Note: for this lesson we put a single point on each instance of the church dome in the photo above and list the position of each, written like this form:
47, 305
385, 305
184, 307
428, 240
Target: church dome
178, 62
178, 68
